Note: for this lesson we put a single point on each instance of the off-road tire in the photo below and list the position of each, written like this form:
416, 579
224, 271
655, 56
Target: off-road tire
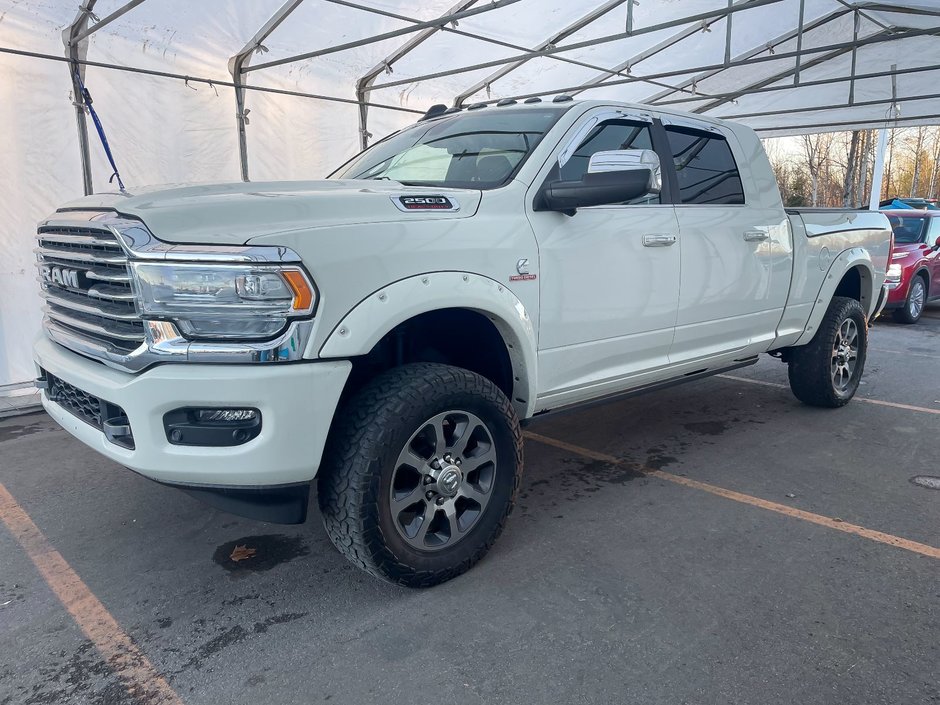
360, 458
904, 314
809, 369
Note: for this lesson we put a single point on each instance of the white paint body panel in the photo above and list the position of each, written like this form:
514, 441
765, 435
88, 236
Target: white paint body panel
297, 403
601, 313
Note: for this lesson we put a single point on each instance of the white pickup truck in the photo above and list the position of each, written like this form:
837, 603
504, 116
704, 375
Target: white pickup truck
385, 331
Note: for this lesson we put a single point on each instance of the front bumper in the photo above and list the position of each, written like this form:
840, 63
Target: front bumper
882, 302
297, 403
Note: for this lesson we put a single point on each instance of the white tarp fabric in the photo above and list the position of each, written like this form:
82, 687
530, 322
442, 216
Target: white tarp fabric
163, 130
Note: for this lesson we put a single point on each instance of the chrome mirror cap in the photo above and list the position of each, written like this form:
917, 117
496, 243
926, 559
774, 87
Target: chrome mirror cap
629, 160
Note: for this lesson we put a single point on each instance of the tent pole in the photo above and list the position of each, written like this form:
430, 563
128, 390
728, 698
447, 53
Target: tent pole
237, 66
364, 84
879, 170
76, 48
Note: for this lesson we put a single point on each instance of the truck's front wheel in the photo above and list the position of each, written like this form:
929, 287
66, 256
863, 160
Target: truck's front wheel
421, 473
827, 371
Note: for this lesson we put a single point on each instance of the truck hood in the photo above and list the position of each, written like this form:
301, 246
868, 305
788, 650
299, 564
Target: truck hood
233, 213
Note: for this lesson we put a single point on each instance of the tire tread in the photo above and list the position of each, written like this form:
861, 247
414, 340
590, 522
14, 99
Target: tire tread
347, 482
809, 365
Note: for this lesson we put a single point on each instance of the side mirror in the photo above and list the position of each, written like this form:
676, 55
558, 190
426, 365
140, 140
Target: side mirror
936, 244
612, 177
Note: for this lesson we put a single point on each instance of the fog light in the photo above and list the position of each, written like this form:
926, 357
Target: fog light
211, 427
209, 415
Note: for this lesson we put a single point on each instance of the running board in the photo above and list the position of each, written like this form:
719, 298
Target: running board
655, 387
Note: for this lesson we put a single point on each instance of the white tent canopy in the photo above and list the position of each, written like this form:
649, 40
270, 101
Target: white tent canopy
217, 90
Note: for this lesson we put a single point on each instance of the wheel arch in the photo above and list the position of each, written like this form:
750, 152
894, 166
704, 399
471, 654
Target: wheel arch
851, 274
924, 274
489, 308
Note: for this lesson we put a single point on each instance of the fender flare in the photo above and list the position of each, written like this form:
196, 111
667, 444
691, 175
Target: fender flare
922, 270
855, 257
375, 316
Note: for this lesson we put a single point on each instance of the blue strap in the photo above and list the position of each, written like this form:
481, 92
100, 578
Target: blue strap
86, 99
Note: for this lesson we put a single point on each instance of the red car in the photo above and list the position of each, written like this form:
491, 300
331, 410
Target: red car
914, 271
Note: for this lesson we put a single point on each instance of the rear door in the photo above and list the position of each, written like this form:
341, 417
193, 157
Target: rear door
608, 275
736, 252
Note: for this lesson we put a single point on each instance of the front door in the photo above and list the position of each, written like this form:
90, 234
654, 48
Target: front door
933, 257
609, 275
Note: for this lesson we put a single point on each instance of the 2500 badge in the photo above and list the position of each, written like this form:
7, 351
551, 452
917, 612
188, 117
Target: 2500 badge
425, 203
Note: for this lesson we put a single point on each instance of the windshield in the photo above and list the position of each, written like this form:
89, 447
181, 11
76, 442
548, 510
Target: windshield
466, 150
908, 230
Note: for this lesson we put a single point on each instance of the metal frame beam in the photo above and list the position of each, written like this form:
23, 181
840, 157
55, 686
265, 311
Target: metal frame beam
201, 79
127, 7
652, 51
836, 106
809, 84
551, 41
459, 32
854, 8
780, 75
584, 44
799, 41
754, 51
895, 122
77, 49
364, 84
933, 31
75, 38
900, 9
417, 27
237, 65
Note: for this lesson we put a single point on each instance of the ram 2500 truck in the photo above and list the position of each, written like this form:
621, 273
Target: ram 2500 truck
385, 331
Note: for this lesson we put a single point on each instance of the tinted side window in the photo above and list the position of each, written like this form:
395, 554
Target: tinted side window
705, 167
610, 135
934, 232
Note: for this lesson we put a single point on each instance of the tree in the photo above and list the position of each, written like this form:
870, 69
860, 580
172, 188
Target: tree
817, 148
917, 143
836, 169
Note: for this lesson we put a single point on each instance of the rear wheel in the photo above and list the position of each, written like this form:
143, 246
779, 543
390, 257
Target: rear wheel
914, 303
827, 371
421, 473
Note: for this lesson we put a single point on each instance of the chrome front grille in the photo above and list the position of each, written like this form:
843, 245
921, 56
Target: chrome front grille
87, 288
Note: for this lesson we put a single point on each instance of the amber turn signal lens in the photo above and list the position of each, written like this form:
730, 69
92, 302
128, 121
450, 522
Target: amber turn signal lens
303, 294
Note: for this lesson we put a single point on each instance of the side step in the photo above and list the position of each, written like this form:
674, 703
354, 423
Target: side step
655, 387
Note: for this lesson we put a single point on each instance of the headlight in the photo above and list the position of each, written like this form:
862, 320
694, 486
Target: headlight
893, 275
223, 301
900, 255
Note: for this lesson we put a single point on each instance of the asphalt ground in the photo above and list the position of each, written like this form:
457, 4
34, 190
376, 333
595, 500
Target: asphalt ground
713, 543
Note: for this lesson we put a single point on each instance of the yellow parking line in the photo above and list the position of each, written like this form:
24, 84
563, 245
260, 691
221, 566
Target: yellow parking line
142, 681
829, 523
866, 400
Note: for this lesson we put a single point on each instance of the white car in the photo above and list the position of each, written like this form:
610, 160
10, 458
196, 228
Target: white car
384, 332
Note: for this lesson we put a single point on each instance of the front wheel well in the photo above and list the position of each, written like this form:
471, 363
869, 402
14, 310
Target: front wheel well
923, 275
454, 336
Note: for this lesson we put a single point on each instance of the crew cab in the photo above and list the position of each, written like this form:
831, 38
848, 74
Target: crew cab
913, 276
386, 331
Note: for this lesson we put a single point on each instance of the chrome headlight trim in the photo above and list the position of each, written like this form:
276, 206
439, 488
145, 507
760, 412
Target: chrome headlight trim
163, 341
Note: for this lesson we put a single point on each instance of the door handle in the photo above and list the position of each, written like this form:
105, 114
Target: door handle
755, 236
659, 240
